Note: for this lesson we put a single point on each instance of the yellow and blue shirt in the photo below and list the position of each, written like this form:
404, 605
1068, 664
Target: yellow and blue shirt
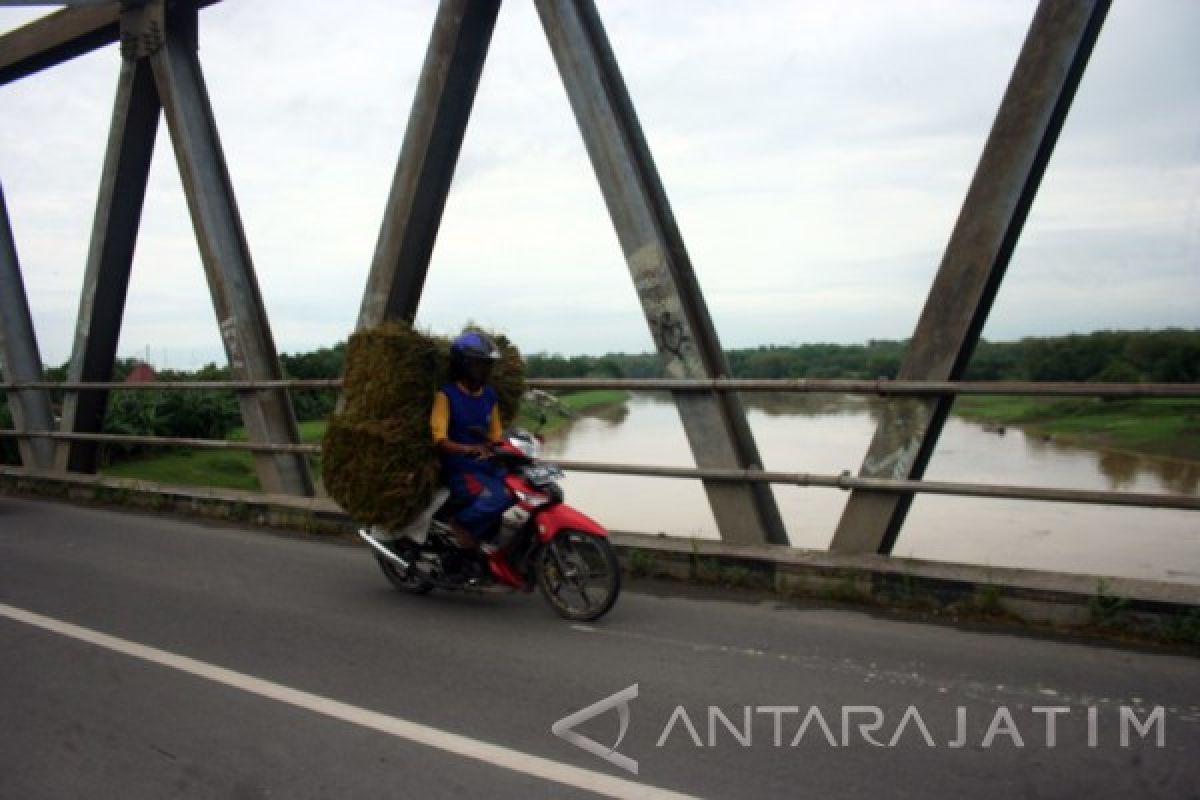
465, 417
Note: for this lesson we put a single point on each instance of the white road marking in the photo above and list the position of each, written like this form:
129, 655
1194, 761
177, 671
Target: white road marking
460, 745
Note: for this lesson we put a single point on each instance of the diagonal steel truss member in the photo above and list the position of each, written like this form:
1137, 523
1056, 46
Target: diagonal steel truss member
670, 294
160, 72
19, 359
123, 180
1026, 128
437, 124
671, 299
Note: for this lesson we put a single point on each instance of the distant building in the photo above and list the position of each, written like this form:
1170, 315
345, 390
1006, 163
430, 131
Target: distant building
142, 373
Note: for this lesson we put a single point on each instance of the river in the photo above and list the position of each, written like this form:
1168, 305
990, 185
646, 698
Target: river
828, 434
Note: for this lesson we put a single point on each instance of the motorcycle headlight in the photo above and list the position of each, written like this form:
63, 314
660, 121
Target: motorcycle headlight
532, 500
526, 443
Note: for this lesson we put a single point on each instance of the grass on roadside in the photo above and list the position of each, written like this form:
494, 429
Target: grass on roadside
222, 469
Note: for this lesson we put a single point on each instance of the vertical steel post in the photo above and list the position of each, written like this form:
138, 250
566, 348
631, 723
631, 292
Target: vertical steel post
1031, 115
110, 256
245, 328
662, 272
437, 125
19, 353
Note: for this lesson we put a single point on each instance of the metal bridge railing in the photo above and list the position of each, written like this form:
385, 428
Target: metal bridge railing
844, 481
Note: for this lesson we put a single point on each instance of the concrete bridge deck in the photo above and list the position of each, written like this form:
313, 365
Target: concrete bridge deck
144, 656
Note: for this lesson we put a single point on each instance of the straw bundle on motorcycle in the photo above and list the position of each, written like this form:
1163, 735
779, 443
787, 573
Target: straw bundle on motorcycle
377, 459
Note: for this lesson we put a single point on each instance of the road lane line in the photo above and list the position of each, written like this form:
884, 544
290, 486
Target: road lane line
494, 754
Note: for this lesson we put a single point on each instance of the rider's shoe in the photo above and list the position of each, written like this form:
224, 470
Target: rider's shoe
473, 571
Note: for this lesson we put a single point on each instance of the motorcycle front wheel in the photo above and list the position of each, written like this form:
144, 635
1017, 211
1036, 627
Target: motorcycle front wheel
579, 576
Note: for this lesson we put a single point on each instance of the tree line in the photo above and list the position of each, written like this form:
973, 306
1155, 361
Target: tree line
1164, 356
202, 414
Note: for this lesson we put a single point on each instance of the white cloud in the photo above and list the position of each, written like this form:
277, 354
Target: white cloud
816, 156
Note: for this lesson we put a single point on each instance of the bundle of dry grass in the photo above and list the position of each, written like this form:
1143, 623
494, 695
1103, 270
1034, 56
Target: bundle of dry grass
508, 379
391, 371
381, 471
377, 459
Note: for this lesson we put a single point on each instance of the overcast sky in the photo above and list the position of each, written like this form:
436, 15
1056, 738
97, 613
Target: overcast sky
816, 155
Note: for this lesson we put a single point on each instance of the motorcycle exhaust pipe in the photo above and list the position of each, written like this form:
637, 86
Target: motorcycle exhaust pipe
383, 551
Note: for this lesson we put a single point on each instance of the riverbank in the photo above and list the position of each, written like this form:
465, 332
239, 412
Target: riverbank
1152, 426
571, 405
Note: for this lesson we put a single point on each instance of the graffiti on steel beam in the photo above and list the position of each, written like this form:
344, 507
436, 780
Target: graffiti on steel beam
902, 428
895, 464
232, 346
668, 326
670, 334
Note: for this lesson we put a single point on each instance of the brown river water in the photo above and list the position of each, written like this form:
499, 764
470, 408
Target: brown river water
828, 434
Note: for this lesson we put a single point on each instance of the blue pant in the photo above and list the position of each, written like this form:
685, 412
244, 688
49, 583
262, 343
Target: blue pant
481, 487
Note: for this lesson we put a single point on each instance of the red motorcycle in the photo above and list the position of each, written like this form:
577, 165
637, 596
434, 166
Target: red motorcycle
541, 541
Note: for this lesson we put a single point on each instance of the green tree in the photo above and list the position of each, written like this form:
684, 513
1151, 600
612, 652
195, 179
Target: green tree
1118, 370
327, 363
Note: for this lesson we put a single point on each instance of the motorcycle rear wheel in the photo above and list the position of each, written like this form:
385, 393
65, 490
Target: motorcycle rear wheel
412, 584
579, 575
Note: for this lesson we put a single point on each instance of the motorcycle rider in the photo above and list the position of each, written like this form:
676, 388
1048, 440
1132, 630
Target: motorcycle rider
465, 420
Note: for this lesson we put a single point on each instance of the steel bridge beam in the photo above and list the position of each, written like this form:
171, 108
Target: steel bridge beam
437, 125
59, 37
159, 64
245, 328
56, 38
19, 353
662, 272
1023, 135
122, 193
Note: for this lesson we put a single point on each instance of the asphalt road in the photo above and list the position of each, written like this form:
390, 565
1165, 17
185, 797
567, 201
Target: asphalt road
147, 657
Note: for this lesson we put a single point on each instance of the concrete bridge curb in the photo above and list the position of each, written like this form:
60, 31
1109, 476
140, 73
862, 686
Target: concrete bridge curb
1158, 610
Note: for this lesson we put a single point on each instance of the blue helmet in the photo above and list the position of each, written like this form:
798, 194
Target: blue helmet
472, 345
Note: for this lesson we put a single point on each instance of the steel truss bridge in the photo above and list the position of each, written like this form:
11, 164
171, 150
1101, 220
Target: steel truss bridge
161, 76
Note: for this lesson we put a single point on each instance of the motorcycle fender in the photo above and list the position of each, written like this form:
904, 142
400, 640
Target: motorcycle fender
560, 516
